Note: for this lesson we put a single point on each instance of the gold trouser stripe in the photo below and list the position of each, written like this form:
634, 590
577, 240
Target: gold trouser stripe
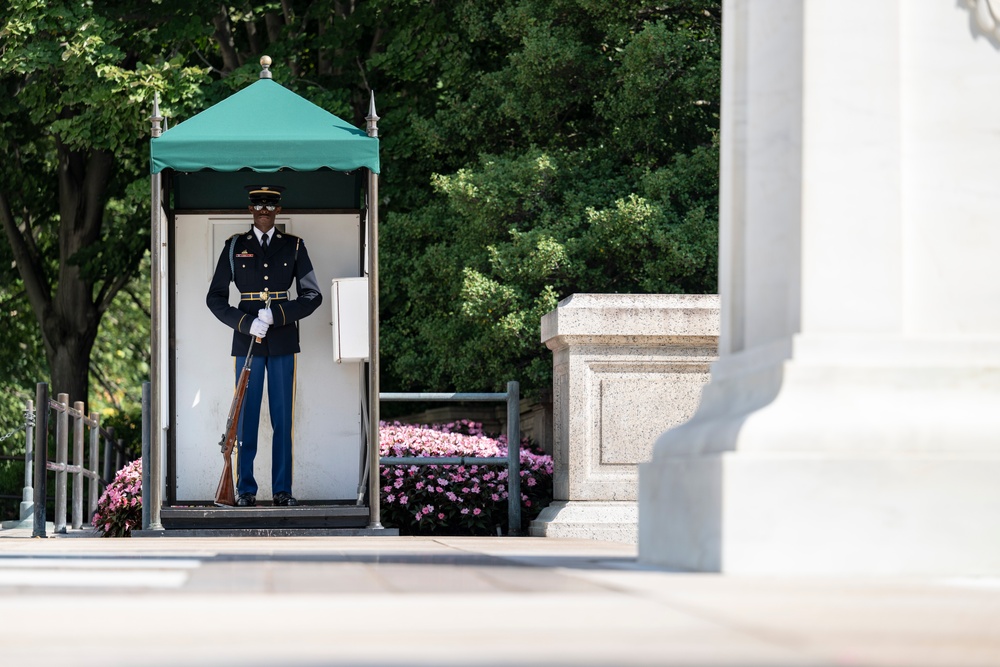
236, 472
295, 368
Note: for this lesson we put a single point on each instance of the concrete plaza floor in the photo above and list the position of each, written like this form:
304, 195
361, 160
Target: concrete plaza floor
395, 601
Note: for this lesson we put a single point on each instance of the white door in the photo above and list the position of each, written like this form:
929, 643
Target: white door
327, 413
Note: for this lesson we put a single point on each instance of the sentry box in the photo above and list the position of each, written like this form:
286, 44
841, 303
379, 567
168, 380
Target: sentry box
265, 133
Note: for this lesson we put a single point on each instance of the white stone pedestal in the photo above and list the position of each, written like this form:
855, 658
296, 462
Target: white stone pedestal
625, 367
852, 422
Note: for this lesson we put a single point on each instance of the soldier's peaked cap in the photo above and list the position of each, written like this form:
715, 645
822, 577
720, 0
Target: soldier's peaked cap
264, 194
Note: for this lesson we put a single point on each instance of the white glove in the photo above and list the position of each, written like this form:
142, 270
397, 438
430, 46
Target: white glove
266, 316
259, 328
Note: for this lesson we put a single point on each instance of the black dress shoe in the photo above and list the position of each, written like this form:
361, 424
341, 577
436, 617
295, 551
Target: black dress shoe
246, 500
283, 499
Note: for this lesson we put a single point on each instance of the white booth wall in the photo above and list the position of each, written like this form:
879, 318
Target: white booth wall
327, 432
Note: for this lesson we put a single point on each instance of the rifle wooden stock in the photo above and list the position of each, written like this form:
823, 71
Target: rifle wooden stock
225, 494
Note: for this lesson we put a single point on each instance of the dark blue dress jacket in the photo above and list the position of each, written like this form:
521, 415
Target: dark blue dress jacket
254, 271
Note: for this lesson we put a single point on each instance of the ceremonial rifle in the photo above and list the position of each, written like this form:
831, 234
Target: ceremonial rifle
225, 494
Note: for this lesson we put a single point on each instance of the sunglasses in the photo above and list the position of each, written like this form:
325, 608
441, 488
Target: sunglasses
261, 207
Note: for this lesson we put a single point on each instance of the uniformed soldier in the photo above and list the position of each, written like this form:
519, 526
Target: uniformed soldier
262, 262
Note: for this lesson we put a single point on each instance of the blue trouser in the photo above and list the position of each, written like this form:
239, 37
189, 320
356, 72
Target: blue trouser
280, 372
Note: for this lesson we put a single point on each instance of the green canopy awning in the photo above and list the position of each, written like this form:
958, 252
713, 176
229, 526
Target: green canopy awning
265, 127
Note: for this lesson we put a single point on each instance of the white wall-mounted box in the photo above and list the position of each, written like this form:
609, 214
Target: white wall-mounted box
350, 319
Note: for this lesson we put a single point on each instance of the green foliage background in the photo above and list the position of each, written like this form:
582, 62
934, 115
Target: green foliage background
573, 149
532, 149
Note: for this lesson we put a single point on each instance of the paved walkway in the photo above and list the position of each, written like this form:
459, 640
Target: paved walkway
398, 601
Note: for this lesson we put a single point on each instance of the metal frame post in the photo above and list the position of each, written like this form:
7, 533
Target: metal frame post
78, 463
513, 458
62, 455
41, 453
145, 455
107, 472
374, 499
95, 443
28, 494
157, 245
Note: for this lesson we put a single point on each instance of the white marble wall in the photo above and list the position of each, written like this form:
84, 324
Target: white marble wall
851, 422
625, 368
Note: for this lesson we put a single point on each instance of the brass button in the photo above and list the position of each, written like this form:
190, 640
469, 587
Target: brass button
265, 277
265, 265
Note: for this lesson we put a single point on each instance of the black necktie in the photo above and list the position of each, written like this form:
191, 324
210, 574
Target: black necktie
263, 242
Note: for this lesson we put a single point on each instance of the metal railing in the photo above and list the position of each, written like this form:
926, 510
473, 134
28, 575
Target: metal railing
513, 459
36, 462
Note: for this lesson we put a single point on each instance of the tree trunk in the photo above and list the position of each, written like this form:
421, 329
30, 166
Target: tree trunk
71, 328
69, 366
223, 36
67, 309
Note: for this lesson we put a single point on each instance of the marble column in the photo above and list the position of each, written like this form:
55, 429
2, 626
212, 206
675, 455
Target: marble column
852, 421
625, 368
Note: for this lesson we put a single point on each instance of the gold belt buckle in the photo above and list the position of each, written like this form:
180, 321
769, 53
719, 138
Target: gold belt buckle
263, 295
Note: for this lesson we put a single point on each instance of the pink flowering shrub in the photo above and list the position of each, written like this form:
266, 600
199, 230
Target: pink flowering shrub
120, 508
456, 499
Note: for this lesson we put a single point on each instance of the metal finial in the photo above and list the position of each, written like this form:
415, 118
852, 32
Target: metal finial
372, 118
156, 118
265, 63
